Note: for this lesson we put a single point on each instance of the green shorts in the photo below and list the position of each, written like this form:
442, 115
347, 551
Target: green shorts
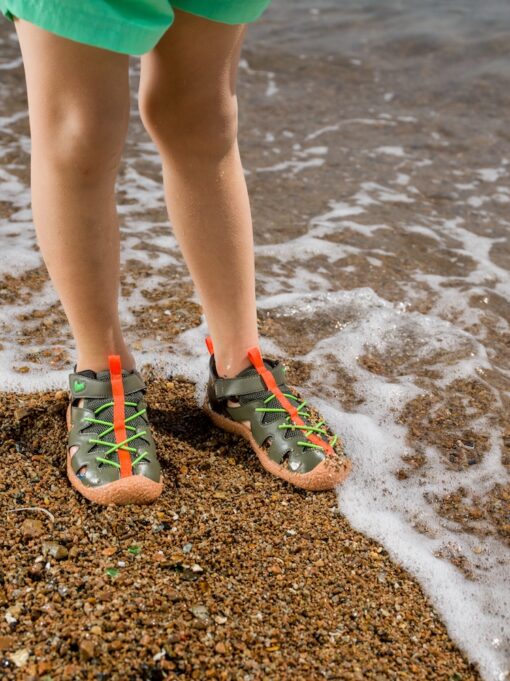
127, 26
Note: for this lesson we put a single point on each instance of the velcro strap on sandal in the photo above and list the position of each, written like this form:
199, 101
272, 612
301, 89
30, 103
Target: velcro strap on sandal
82, 386
245, 385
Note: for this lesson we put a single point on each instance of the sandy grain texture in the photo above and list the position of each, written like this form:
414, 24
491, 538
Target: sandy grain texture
232, 574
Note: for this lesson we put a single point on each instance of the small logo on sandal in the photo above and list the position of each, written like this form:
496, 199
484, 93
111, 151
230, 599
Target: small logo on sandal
78, 386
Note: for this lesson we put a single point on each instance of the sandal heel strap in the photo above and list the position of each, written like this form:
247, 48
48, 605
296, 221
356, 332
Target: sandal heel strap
245, 385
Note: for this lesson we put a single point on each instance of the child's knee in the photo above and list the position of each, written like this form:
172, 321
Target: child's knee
86, 145
203, 124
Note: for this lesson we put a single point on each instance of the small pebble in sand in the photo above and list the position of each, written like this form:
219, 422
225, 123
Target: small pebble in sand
20, 657
87, 649
55, 550
7, 642
21, 413
109, 551
13, 614
200, 611
31, 528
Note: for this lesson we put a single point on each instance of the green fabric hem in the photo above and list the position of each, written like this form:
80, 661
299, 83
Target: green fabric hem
104, 32
227, 12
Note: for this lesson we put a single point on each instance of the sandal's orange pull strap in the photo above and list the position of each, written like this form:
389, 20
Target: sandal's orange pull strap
119, 425
255, 357
209, 343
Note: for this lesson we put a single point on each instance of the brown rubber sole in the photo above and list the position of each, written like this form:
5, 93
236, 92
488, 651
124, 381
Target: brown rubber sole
136, 489
323, 477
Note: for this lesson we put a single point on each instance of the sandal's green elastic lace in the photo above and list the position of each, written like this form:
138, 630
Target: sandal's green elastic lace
289, 424
115, 446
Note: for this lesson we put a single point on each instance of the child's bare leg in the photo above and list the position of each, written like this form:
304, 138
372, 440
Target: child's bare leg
189, 106
79, 108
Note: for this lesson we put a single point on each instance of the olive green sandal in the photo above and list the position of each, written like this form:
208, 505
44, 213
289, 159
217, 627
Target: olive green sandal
115, 461
290, 441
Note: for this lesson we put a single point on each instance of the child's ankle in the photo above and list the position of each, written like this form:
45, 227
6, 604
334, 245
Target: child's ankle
230, 367
100, 363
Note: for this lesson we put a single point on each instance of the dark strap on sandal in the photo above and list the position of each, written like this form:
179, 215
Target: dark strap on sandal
245, 385
81, 386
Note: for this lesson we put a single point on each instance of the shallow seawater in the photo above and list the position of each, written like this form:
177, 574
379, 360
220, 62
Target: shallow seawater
375, 143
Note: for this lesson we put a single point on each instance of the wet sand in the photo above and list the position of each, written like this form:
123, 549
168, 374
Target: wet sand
232, 574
